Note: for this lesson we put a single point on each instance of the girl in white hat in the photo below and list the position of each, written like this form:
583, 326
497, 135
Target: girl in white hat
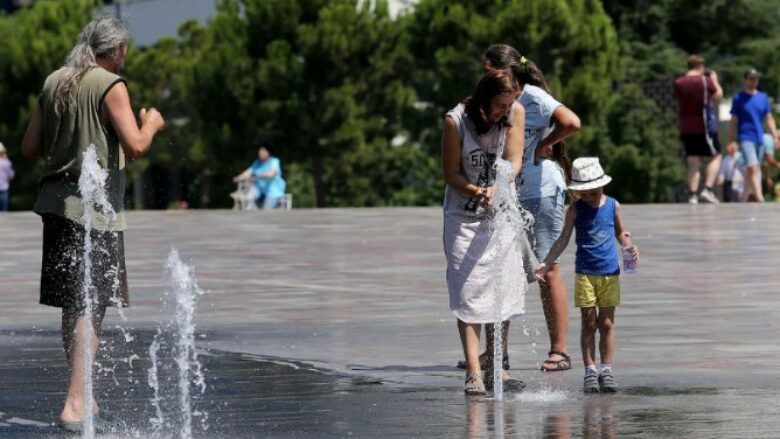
598, 221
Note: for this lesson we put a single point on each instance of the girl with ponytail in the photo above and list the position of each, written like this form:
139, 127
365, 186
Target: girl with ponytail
541, 187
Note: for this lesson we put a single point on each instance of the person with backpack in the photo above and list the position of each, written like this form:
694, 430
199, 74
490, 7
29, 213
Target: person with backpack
695, 93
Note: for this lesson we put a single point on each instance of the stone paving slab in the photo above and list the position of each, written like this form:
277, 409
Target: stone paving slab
361, 293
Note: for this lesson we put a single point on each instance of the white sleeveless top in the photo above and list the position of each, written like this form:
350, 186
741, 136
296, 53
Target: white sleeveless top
485, 275
479, 153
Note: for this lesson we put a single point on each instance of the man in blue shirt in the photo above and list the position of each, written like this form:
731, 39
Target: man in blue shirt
266, 172
749, 111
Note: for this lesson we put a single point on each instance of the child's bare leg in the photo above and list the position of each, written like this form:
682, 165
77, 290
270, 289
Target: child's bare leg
606, 323
588, 336
469, 338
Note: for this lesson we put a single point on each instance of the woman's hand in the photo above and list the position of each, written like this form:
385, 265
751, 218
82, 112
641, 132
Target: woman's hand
246, 175
543, 152
486, 195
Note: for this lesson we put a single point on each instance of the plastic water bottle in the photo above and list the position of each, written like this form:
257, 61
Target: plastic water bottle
629, 262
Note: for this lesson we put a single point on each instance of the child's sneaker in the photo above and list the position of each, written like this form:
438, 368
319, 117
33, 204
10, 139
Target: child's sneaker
607, 382
592, 382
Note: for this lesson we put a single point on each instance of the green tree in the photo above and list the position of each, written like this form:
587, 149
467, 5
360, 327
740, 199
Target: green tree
160, 76
575, 44
35, 42
353, 98
321, 79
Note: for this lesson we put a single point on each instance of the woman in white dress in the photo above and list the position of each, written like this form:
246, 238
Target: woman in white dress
482, 149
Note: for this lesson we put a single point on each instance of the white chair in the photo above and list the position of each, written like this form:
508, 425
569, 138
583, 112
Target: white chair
243, 197
287, 202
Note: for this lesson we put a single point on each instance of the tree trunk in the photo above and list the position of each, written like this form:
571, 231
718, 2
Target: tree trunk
319, 184
205, 188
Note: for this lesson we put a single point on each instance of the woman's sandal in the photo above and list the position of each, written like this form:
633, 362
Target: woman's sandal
474, 385
483, 362
511, 385
560, 365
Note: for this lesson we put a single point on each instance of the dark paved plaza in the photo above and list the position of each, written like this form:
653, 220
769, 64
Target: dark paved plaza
334, 323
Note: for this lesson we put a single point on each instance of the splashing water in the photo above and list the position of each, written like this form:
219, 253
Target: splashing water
152, 379
185, 292
544, 396
508, 222
173, 347
92, 187
183, 296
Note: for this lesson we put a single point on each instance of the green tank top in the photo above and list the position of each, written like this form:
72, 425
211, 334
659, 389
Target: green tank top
66, 137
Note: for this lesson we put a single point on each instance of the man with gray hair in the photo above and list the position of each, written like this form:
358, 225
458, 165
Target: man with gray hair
85, 103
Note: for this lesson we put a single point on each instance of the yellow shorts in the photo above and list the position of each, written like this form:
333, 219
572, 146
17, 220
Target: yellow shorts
591, 290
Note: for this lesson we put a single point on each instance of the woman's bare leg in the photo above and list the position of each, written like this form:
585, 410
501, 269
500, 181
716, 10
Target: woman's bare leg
555, 304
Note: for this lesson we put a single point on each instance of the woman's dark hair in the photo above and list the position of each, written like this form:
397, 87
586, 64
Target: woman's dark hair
559, 155
525, 71
492, 84
268, 146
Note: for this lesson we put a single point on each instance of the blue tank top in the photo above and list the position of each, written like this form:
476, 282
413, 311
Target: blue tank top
596, 242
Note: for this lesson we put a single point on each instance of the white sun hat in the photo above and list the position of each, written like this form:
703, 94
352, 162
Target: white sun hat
588, 174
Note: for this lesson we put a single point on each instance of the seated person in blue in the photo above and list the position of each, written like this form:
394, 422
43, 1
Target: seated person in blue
266, 173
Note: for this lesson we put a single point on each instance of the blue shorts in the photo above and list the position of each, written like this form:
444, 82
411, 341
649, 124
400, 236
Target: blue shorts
548, 222
752, 152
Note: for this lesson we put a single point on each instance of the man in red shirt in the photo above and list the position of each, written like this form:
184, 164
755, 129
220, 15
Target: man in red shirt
691, 91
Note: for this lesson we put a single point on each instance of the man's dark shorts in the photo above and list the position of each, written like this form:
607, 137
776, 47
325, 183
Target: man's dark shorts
62, 271
696, 145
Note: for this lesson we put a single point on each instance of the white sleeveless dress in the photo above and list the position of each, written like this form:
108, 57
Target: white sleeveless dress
484, 255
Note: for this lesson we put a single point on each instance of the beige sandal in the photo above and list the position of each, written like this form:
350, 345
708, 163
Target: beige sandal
474, 385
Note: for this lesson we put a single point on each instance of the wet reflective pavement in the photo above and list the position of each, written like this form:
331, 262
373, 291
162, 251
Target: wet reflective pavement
335, 324
249, 396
